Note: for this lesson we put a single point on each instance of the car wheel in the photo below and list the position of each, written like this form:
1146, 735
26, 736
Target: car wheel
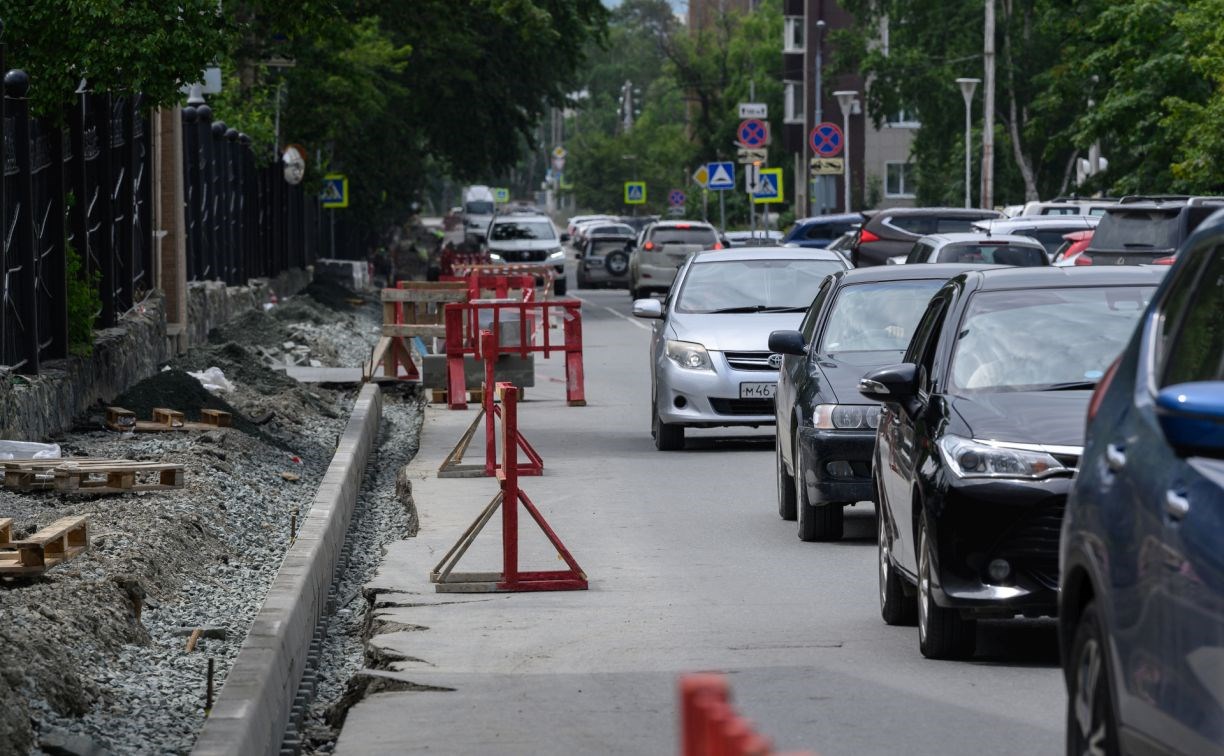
559, 286
634, 293
816, 523
895, 607
616, 263
942, 633
1090, 719
667, 436
786, 488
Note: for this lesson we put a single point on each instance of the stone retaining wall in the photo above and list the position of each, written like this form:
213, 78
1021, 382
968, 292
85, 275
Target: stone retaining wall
32, 408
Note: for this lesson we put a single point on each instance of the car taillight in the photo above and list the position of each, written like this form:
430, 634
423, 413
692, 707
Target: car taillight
866, 236
1102, 386
648, 246
717, 245
1164, 260
683, 225
1083, 259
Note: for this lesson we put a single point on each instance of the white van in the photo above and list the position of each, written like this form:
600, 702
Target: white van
478, 210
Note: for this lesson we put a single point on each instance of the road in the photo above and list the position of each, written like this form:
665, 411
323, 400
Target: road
690, 569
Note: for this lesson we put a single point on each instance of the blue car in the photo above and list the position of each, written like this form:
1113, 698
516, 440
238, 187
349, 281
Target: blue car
822, 230
1141, 602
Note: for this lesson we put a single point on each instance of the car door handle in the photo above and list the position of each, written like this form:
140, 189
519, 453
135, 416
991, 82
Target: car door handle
1115, 457
1176, 505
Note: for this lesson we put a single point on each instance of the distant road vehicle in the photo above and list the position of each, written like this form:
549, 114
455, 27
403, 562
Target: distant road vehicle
1147, 231
574, 221
587, 229
1047, 229
752, 238
1141, 605
478, 211
1073, 244
981, 431
888, 233
531, 239
661, 249
822, 230
604, 261
1067, 206
638, 222
859, 320
996, 249
710, 363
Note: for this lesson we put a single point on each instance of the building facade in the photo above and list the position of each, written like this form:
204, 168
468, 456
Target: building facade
880, 172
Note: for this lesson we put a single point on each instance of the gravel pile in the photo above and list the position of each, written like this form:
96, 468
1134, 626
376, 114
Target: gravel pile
94, 652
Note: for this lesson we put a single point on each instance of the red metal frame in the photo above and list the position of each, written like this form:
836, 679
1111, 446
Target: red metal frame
462, 338
493, 412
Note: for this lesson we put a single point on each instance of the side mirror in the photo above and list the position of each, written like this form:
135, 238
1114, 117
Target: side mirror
647, 308
787, 342
895, 384
565, 238
1192, 417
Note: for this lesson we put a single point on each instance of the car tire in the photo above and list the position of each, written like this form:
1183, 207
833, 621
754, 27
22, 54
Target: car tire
942, 633
1090, 715
559, 286
786, 488
634, 293
895, 607
816, 523
616, 263
667, 436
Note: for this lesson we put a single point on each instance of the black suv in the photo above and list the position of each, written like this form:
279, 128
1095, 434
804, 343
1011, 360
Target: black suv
892, 232
1146, 230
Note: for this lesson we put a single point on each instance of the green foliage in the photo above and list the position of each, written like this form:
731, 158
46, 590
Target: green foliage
84, 304
148, 46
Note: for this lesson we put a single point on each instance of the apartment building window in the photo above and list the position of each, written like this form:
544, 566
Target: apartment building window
902, 119
793, 102
793, 26
898, 181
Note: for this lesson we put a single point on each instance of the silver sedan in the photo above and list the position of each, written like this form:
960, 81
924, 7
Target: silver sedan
710, 362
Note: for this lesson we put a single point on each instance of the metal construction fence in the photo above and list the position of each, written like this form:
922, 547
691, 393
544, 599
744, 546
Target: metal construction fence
86, 183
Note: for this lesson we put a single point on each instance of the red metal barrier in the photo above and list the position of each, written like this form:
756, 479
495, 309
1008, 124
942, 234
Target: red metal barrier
511, 578
709, 725
462, 339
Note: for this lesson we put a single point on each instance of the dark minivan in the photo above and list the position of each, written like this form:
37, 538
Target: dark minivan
1143, 231
892, 232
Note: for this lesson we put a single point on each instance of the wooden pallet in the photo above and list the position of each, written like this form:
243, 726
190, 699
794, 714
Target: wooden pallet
58, 542
93, 476
165, 419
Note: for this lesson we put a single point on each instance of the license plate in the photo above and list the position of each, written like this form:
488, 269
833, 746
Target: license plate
758, 390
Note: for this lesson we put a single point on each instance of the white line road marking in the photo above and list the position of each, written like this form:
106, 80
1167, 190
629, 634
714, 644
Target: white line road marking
620, 315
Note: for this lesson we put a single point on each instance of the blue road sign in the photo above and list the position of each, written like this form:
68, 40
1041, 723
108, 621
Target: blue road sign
769, 187
335, 190
753, 133
826, 139
676, 198
721, 176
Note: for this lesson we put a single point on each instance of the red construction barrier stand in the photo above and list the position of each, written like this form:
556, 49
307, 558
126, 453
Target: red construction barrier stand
709, 725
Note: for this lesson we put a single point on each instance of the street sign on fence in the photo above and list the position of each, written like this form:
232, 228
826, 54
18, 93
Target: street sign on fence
335, 191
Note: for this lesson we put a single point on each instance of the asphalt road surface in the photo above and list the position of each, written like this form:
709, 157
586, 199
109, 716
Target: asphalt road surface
691, 569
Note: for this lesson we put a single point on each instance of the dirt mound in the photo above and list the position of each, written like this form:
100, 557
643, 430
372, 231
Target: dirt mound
332, 295
178, 390
240, 365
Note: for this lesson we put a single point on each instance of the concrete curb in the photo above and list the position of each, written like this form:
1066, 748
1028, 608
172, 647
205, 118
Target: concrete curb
253, 709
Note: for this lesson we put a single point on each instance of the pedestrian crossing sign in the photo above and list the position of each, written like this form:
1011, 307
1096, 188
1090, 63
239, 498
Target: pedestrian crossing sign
635, 192
335, 191
769, 187
501, 195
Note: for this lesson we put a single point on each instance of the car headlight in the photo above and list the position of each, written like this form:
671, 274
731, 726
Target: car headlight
846, 416
557, 254
689, 355
494, 257
975, 459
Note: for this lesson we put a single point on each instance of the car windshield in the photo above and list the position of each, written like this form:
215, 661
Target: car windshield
694, 235
753, 285
519, 230
1137, 230
876, 316
992, 253
1044, 339
479, 207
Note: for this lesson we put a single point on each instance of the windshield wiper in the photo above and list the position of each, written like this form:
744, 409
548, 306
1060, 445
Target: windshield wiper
1069, 386
755, 308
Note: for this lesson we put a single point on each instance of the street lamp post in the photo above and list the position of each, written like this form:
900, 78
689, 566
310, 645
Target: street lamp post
848, 100
967, 87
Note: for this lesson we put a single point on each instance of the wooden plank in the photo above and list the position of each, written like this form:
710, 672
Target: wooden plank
219, 418
118, 418
416, 295
58, 542
424, 330
6, 529
171, 418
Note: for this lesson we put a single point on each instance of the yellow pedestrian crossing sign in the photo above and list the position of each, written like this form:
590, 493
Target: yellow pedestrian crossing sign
769, 187
335, 191
635, 192
501, 195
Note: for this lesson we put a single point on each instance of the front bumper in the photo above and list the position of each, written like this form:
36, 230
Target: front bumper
1018, 521
710, 398
826, 455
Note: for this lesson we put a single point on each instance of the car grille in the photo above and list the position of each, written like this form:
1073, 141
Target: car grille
1031, 543
524, 255
749, 360
743, 406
